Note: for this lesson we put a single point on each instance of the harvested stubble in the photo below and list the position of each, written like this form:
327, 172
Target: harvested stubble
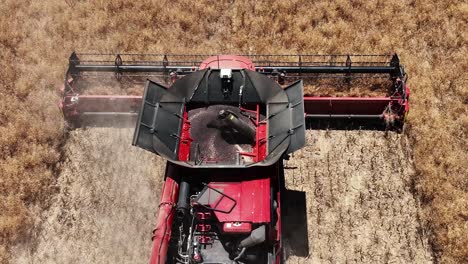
104, 209
359, 206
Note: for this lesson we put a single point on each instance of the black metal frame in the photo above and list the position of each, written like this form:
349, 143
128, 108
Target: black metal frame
268, 64
219, 201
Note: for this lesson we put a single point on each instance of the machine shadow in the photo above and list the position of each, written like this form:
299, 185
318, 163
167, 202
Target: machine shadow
294, 224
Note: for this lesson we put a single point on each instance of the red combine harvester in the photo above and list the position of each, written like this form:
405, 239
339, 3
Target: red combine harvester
225, 124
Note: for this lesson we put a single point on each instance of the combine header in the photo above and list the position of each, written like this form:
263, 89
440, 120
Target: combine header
225, 123
124, 74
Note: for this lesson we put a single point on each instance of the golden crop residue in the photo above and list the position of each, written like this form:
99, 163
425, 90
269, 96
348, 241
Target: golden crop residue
36, 38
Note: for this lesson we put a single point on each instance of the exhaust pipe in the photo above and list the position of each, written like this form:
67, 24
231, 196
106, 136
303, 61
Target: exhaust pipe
182, 203
256, 237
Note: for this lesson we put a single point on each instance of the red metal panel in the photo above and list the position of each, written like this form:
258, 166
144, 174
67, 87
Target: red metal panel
185, 140
237, 228
162, 232
346, 105
261, 142
252, 200
227, 62
76, 105
406, 103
